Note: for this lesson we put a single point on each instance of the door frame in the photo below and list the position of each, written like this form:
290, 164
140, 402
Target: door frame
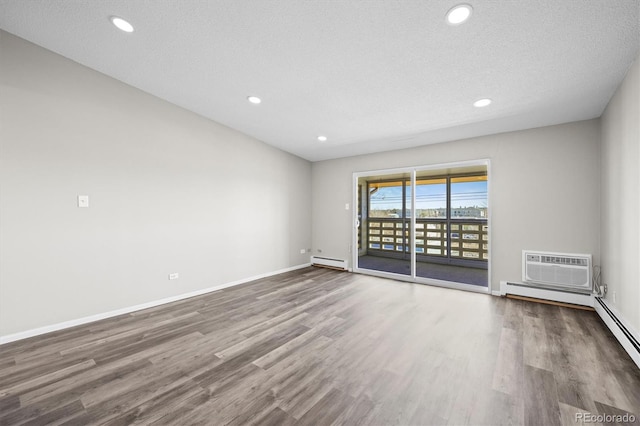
413, 170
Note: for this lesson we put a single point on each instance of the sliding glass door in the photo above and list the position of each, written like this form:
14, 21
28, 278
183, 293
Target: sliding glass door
437, 233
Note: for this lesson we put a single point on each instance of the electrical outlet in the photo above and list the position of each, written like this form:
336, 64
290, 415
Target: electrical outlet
174, 276
302, 251
83, 201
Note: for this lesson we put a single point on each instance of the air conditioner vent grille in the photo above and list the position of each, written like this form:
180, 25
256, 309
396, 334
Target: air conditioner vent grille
562, 260
562, 271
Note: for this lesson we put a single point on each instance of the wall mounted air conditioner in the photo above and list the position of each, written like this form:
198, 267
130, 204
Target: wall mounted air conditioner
560, 271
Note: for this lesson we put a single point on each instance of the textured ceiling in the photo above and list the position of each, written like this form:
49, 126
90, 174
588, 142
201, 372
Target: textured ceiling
371, 75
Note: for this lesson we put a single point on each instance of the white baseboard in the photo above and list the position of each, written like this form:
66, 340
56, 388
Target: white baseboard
496, 293
625, 339
79, 321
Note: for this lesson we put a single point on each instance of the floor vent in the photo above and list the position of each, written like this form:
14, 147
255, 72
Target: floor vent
328, 262
625, 336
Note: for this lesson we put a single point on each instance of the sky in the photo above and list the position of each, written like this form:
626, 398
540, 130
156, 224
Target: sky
464, 194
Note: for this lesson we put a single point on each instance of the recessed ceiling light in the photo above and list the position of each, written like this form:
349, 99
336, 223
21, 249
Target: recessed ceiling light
482, 103
254, 99
121, 24
458, 14
322, 138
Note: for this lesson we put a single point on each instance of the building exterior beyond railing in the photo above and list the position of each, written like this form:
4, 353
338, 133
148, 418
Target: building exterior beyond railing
467, 239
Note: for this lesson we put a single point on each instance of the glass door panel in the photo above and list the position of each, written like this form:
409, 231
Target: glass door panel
431, 222
385, 224
469, 211
451, 228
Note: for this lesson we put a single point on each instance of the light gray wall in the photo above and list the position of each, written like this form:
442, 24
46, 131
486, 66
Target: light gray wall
620, 198
169, 191
544, 189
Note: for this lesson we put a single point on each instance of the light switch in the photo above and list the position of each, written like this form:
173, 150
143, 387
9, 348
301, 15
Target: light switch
83, 201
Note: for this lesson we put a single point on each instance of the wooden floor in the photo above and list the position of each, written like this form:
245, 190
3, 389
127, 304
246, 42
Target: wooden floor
323, 347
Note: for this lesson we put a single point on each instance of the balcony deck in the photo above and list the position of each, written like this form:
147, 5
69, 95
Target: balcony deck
445, 248
458, 274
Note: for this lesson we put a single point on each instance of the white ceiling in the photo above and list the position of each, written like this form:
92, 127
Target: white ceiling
371, 75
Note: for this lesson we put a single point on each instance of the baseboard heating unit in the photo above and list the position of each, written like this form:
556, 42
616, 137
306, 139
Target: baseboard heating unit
328, 262
538, 292
629, 339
